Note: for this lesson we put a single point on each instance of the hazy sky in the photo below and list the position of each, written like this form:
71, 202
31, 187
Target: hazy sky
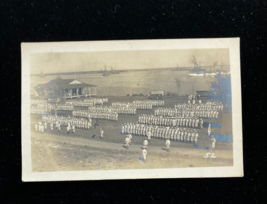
87, 61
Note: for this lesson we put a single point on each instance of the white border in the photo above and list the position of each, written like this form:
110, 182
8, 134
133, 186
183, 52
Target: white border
232, 43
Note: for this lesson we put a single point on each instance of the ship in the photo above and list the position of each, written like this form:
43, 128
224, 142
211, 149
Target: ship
198, 71
105, 73
112, 71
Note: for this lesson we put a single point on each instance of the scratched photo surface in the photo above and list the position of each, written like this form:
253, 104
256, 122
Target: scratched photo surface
134, 109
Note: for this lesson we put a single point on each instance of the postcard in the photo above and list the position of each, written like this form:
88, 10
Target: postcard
131, 109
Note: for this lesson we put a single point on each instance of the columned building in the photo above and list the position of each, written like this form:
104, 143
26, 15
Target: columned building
67, 88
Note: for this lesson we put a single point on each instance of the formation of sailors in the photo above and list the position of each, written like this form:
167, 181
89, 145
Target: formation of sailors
191, 122
153, 103
143, 106
97, 101
206, 106
65, 107
159, 132
39, 111
187, 112
110, 109
80, 103
46, 106
56, 121
38, 101
93, 114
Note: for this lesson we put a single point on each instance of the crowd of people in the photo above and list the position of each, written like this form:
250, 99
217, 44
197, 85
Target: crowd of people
59, 121
95, 114
38, 101
46, 106
97, 101
110, 109
187, 112
39, 111
121, 105
205, 106
153, 103
65, 107
191, 122
80, 103
159, 132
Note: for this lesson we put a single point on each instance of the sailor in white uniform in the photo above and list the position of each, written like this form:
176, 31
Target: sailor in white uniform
101, 133
168, 143
145, 143
144, 154
209, 130
36, 127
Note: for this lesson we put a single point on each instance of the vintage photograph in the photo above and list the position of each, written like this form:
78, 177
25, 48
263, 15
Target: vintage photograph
111, 109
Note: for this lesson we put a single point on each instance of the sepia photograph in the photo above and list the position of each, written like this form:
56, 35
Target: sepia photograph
131, 109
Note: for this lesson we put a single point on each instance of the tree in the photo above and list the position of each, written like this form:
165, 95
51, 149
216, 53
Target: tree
178, 83
55, 95
221, 90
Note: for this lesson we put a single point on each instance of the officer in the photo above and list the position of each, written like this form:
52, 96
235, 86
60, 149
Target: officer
130, 137
168, 143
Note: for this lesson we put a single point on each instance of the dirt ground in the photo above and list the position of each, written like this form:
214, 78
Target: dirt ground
58, 151
49, 155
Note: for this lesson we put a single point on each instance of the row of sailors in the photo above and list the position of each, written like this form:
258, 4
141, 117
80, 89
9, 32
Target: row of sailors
143, 106
95, 115
80, 103
38, 101
38, 111
80, 123
171, 133
65, 107
153, 103
186, 113
45, 106
193, 122
110, 109
206, 106
42, 127
97, 101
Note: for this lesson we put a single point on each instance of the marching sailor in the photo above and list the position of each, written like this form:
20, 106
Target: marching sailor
149, 135
145, 143
209, 129
144, 154
73, 128
213, 141
101, 133
127, 141
36, 127
168, 143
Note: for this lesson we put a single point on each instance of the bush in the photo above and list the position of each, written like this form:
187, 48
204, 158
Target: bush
168, 93
128, 95
141, 94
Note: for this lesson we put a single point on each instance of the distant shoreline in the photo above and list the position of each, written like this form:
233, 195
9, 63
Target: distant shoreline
129, 70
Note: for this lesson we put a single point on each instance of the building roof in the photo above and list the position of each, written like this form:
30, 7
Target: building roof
65, 83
